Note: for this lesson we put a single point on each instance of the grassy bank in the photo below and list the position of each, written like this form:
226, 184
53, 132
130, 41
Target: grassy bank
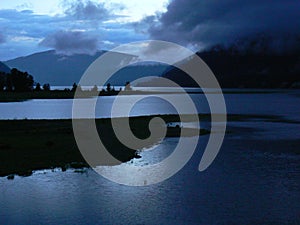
62, 94
23, 96
27, 145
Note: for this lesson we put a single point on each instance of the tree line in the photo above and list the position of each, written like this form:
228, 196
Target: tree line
18, 81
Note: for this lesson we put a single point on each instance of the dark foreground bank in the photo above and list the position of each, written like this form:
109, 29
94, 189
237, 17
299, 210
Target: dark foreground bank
27, 145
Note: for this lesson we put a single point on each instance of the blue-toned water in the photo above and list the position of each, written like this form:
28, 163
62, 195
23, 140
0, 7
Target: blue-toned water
244, 185
281, 104
255, 178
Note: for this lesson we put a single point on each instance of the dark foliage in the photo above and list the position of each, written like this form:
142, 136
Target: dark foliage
245, 70
46, 87
21, 81
16, 80
38, 87
2, 80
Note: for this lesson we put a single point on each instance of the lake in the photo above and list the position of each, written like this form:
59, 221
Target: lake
255, 178
281, 104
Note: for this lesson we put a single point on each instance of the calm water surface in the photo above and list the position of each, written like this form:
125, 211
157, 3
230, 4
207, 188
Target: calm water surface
255, 179
284, 104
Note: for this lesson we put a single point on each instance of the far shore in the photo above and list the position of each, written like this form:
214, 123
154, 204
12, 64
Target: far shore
63, 94
6, 96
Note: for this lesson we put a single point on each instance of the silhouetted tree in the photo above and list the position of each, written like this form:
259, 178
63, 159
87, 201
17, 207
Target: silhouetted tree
8, 83
21, 81
2, 80
74, 87
127, 86
38, 87
108, 87
46, 87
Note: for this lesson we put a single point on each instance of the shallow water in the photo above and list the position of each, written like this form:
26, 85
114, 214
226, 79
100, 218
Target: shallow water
244, 185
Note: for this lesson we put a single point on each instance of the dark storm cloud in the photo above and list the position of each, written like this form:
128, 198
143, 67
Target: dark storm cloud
71, 42
144, 24
210, 22
87, 10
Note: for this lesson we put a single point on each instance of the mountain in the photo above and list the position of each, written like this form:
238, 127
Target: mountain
235, 69
48, 67
4, 68
232, 68
60, 70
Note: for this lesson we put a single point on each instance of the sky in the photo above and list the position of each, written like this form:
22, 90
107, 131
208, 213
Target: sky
71, 27
85, 26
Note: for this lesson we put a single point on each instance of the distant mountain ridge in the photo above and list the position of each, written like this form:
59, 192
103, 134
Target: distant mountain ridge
49, 67
233, 69
60, 70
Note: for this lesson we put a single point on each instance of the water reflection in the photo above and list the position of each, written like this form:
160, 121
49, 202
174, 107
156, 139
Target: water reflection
235, 103
243, 185
254, 179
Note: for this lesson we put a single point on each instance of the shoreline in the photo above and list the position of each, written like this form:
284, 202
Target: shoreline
63, 94
29, 145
